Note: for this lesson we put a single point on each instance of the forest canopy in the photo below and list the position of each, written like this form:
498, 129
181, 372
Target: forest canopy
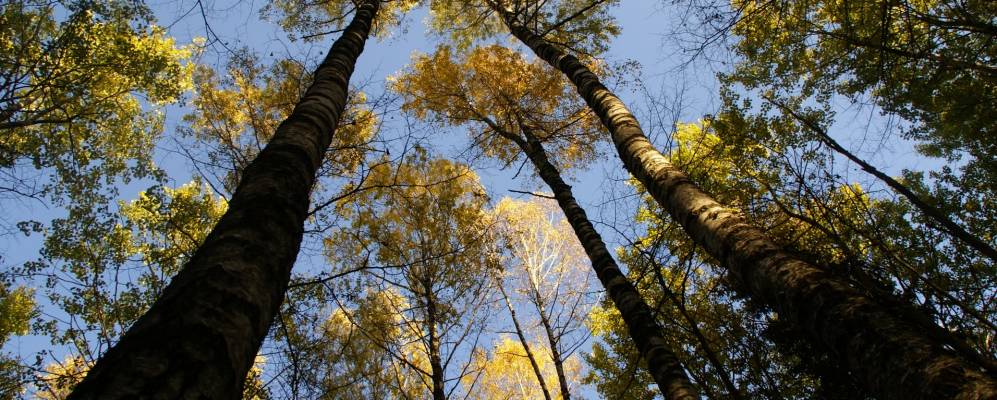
498, 199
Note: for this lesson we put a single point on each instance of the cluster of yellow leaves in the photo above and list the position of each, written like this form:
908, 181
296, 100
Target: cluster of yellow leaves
505, 372
603, 320
240, 112
548, 259
16, 309
535, 219
732, 172
420, 226
437, 202
148, 60
468, 22
157, 232
462, 19
718, 166
59, 379
81, 92
166, 227
254, 388
316, 20
358, 341
494, 88
486, 78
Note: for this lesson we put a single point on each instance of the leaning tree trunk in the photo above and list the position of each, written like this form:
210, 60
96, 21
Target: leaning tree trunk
889, 356
662, 363
200, 338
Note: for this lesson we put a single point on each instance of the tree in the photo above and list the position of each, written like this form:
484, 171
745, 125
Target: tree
17, 308
349, 354
424, 232
206, 327
61, 377
505, 372
73, 78
106, 271
743, 350
946, 223
915, 61
547, 267
507, 123
892, 57
864, 334
236, 114
362, 265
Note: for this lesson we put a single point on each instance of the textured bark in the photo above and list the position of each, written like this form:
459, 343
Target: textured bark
200, 338
889, 356
664, 367
435, 362
525, 343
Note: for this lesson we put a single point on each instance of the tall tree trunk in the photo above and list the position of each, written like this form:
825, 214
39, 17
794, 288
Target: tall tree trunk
525, 343
644, 329
435, 361
889, 356
200, 338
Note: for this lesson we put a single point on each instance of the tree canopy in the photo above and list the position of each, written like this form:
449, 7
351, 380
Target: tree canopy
497, 199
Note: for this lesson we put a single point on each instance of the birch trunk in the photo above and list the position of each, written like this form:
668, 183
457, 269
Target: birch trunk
435, 361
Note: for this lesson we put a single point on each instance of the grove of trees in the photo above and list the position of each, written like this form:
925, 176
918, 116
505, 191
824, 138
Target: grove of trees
798, 201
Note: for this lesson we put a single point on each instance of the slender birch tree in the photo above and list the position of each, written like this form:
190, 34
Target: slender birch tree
547, 268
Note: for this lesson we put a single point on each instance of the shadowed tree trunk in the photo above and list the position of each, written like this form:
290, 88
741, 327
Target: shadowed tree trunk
889, 356
644, 329
435, 362
200, 338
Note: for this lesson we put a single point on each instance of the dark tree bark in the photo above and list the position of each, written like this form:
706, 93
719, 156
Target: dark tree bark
435, 362
200, 338
663, 365
891, 357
